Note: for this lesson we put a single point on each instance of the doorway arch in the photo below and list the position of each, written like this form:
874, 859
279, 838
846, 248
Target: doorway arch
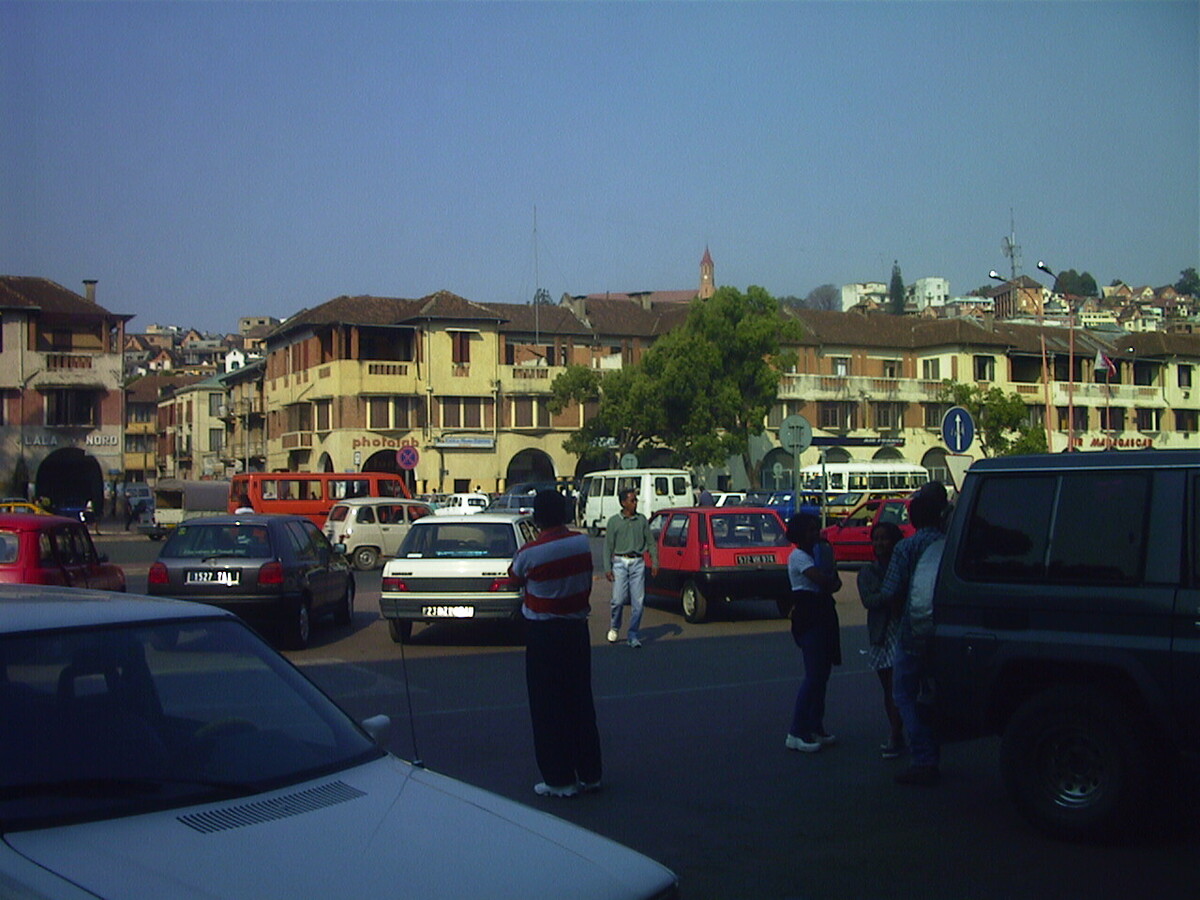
889, 454
385, 461
529, 464
325, 463
934, 462
70, 477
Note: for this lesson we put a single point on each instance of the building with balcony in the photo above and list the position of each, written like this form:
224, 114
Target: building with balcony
142, 396
62, 406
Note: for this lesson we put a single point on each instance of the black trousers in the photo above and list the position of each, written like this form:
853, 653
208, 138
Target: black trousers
558, 675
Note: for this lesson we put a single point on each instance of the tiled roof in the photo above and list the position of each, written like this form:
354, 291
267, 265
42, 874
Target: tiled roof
445, 305
23, 292
351, 311
524, 318
620, 317
148, 388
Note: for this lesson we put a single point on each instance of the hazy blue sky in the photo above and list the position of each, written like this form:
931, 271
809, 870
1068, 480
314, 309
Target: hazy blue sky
211, 160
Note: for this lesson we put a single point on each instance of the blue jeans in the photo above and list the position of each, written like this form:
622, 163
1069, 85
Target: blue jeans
629, 582
816, 645
907, 674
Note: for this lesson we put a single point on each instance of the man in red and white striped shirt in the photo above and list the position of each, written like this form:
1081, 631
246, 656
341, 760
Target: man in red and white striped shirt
555, 570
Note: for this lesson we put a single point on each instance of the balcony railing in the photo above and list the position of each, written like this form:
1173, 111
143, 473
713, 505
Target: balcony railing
68, 361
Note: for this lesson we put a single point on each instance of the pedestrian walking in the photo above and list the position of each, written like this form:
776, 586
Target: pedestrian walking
627, 539
812, 575
910, 665
134, 512
883, 628
555, 570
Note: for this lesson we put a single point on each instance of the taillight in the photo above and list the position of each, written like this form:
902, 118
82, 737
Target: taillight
271, 573
705, 556
157, 574
504, 584
392, 583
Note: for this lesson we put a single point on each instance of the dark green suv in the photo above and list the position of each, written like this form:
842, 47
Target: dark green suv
1067, 615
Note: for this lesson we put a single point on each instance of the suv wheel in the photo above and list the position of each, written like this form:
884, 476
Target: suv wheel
695, 604
366, 558
1074, 764
400, 630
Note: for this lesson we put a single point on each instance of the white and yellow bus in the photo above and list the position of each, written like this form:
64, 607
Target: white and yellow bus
845, 485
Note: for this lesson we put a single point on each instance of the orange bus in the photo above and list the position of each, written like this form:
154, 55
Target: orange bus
310, 494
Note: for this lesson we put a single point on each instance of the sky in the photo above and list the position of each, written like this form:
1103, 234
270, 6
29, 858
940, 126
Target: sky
206, 161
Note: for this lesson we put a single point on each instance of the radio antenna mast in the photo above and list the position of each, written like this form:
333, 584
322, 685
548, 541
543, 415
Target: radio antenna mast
1011, 248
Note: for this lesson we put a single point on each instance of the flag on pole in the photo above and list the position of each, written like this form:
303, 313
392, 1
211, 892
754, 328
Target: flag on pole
1104, 364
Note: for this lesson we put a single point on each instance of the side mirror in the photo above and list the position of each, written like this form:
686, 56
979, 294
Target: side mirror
377, 727
339, 548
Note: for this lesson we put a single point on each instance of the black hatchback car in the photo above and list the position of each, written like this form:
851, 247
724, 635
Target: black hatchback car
277, 572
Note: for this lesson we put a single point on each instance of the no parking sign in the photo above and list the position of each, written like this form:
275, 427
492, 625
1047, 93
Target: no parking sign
407, 457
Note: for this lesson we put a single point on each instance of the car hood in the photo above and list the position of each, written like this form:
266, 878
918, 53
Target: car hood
381, 829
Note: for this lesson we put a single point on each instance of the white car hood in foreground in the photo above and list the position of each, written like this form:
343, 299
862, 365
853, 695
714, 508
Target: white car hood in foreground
384, 829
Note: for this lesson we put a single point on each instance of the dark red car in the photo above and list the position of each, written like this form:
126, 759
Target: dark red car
710, 555
851, 536
40, 549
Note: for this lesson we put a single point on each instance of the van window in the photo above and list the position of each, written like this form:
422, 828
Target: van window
679, 485
610, 486
660, 486
366, 515
628, 483
1077, 528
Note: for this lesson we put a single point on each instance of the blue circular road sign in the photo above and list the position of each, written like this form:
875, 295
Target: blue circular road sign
958, 429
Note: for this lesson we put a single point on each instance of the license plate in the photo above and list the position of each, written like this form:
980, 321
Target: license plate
448, 612
219, 576
754, 559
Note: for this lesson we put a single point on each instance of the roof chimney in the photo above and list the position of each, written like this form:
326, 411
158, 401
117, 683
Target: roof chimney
89, 289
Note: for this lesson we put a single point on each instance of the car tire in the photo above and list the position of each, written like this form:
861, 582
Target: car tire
1074, 764
343, 613
695, 604
365, 558
400, 630
298, 628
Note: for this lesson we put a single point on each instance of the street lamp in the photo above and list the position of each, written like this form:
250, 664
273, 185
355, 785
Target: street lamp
996, 276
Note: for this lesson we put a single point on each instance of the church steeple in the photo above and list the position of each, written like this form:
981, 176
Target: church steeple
707, 285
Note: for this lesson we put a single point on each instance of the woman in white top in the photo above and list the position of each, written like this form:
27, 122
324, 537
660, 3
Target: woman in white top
813, 577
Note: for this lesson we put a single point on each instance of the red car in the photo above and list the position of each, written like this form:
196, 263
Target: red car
709, 555
38, 549
851, 536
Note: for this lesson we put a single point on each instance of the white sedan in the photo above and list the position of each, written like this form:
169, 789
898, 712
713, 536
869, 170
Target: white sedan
454, 568
155, 748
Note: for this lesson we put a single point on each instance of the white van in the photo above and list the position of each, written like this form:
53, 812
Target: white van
657, 489
372, 528
462, 504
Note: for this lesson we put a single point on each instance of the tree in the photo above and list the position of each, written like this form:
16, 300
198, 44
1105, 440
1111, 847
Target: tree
1001, 420
825, 296
625, 405
718, 374
896, 291
1188, 283
1076, 284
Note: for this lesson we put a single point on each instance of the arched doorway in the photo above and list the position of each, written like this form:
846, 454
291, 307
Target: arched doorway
529, 465
325, 463
69, 477
837, 455
385, 461
776, 471
934, 462
890, 454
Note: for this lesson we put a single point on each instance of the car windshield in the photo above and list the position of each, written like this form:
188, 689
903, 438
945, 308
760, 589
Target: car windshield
459, 540
747, 530
230, 540
120, 720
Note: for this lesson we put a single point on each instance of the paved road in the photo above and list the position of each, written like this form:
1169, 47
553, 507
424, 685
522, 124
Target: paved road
696, 774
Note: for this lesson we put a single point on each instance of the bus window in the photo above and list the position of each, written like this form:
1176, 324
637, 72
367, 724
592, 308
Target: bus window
270, 489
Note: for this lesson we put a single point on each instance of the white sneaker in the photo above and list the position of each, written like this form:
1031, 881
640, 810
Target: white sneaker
799, 743
613, 637
545, 790
634, 643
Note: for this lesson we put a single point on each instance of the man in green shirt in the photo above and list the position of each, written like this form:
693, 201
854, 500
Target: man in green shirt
627, 539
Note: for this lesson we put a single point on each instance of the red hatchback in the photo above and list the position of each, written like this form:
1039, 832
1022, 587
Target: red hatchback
717, 554
851, 536
38, 549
